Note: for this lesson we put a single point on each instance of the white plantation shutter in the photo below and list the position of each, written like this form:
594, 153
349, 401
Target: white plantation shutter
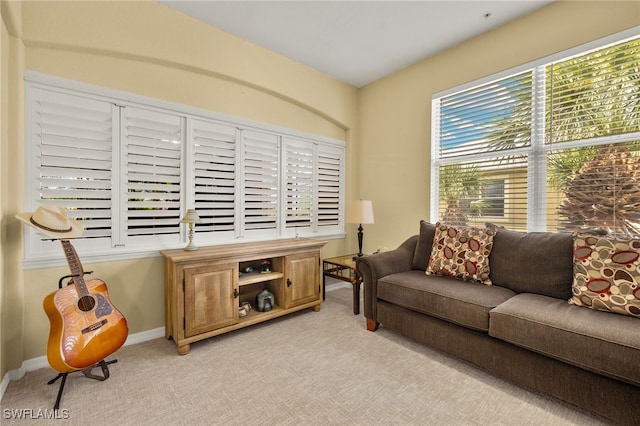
298, 184
330, 184
260, 182
214, 176
152, 150
72, 140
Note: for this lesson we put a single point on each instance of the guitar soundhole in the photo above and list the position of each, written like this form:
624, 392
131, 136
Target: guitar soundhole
86, 303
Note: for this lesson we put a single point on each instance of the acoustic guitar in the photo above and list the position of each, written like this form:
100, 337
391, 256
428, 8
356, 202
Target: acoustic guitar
85, 327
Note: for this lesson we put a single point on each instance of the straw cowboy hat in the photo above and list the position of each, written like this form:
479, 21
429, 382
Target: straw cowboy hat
53, 222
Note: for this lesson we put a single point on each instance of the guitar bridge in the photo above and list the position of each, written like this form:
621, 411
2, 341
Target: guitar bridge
94, 327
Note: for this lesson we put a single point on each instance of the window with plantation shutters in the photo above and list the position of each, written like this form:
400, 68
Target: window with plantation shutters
152, 155
559, 142
72, 150
299, 160
129, 167
214, 175
260, 182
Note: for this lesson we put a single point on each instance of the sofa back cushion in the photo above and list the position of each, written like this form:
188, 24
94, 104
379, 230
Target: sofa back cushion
534, 262
423, 248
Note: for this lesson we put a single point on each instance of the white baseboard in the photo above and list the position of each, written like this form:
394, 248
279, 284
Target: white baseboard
144, 336
41, 362
338, 285
334, 284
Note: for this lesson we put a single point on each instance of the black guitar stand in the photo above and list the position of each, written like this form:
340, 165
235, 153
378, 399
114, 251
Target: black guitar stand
104, 365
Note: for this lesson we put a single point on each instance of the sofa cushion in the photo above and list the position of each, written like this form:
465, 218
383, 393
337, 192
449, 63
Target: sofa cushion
459, 302
423, 247
534, 262
598, 341
606, 274
461, 252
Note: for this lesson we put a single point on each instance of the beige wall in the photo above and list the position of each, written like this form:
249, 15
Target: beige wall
147, 49
11, 131
150, 50
394, 112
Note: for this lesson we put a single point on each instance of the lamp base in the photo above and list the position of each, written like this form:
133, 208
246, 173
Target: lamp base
191, 246
360, 236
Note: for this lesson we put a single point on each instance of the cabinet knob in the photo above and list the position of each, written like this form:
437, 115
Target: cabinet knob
236, 293
289, 282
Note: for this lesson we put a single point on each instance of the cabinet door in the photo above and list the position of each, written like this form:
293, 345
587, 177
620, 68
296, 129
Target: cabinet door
302, 279
210, 297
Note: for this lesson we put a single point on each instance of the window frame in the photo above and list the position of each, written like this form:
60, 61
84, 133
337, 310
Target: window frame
39, 252
537, 176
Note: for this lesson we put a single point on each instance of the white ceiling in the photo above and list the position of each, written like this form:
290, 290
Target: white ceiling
356, 41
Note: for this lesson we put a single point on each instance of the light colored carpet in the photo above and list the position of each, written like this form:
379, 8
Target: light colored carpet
311, 368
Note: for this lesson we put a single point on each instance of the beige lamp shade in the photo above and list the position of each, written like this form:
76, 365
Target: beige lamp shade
191, 216
360, 211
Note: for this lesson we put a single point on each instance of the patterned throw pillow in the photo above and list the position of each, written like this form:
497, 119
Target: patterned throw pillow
606, 274
461, 252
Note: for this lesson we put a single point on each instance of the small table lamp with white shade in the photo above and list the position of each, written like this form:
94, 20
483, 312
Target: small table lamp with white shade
360, 211
190, 217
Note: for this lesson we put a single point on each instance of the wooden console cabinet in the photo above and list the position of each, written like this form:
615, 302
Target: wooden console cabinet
205, 288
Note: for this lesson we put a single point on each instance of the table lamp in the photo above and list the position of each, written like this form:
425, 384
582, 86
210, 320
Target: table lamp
190, 217
360, 211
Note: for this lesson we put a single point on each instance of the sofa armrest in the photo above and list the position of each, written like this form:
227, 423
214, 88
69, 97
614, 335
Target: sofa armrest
373, 267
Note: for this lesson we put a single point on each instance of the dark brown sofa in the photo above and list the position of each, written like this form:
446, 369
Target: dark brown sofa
521, 328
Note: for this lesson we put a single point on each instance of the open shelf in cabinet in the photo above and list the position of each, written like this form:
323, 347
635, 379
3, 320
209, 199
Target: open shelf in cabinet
251, 271
257, 277
256, 316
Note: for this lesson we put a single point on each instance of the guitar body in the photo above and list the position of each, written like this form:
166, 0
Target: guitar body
85, 329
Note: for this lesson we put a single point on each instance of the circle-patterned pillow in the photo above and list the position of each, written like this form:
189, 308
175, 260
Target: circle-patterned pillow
606, 274
461, 252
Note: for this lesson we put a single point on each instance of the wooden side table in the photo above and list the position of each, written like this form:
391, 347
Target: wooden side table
343, 268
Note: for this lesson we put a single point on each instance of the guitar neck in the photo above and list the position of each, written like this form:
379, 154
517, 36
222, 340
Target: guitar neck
76, 268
